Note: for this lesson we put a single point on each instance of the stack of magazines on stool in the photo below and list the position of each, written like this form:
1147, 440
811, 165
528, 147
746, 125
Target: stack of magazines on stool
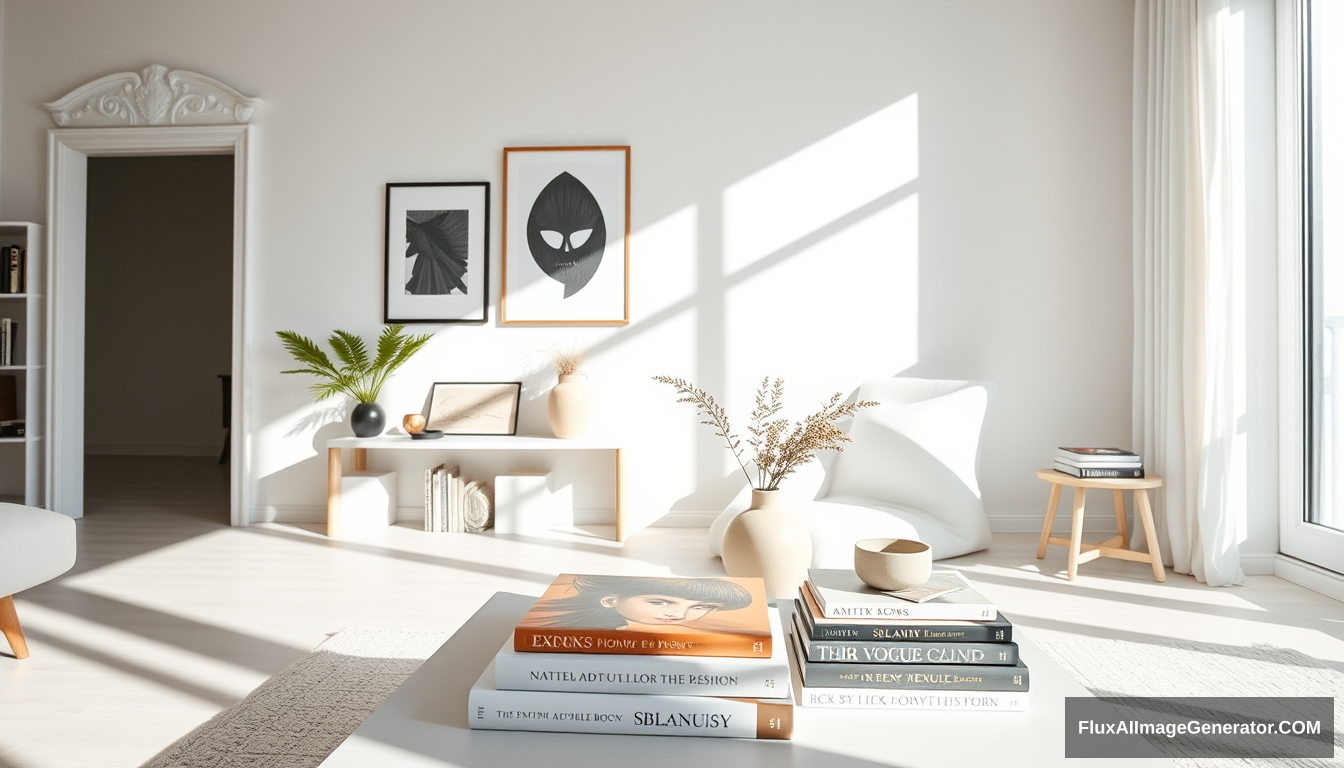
664, 656
940, 646
1098, 462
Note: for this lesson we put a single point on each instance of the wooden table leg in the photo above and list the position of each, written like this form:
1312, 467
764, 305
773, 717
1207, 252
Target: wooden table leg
1050, 508
361, 459
333, 492
1076, 541
1150, 531
620, 494
9, 626
1120, 519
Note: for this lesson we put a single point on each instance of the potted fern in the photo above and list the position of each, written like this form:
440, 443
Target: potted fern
357, 376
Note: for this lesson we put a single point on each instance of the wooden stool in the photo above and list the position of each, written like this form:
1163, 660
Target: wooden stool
1117, 547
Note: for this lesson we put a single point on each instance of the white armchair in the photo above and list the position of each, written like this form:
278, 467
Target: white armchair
909, 473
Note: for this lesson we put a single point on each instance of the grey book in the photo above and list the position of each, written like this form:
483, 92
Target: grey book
885, 652
912, 677
841, 594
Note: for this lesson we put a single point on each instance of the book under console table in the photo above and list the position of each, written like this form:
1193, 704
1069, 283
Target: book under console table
360, 447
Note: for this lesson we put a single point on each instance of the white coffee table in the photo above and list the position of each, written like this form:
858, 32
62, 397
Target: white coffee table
423, 724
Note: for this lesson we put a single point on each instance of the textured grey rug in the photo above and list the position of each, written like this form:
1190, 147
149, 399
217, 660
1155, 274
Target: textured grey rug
295, 719
1175, 668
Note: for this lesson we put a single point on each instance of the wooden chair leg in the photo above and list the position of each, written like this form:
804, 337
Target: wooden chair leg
1076, 541
1150, 531
1120, 519
1050, 508
9, 625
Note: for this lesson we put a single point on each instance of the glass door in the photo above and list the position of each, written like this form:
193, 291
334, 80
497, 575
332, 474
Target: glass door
1317, 535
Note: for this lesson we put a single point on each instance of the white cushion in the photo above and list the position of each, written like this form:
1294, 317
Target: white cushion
35, 546
910, 472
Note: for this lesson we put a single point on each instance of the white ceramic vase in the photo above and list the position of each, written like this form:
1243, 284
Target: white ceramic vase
771, 542
568, 406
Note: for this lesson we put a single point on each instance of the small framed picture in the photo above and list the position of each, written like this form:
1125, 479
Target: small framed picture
437, 252
566, 254
474, 408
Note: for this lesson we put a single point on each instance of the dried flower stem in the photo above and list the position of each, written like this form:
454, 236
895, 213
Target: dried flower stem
779, 449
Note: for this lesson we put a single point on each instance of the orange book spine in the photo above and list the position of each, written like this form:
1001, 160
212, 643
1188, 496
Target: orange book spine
574, 640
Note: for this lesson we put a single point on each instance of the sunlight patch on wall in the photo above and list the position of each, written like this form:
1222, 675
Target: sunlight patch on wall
815, 186
840, 311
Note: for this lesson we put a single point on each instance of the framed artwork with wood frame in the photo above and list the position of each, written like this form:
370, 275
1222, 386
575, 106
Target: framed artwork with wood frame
474, 408
436, 257
566, 236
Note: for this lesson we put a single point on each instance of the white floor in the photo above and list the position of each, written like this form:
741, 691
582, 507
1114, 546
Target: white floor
171, 615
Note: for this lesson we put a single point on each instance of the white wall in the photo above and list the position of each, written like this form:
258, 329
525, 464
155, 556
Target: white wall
159, 304
1003, 254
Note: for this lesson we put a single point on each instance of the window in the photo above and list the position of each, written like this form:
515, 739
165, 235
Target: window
1317, 532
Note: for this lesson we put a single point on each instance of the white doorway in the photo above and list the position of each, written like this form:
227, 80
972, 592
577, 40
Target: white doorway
68, 153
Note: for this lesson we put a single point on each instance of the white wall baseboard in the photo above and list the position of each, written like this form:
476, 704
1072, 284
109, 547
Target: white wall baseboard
115, 449
1313, 577
686, 518
1102, 521
1258, 565
278, 513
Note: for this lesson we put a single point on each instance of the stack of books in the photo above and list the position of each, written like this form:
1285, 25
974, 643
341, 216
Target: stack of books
1098, 462
9, 334
454, 504
13, 269
947, 647
642, 655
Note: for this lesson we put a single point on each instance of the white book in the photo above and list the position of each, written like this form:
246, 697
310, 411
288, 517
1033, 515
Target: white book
1135, 463
445, 485
456, 504
841, 594
489, 707
436, 501
668, 675
429, 498
1096, 454
451, 504
894, 700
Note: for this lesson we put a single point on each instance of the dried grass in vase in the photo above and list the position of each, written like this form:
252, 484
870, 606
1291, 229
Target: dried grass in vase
567, 361
779, 447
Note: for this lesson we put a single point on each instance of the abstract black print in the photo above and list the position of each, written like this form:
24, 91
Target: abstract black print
567, 233
436, 252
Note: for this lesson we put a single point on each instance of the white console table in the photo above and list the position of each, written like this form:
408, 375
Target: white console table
360, 447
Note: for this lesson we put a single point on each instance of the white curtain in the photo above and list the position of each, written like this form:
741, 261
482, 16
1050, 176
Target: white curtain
1189, 327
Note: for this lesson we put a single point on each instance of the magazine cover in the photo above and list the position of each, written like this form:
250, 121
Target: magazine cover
680, 616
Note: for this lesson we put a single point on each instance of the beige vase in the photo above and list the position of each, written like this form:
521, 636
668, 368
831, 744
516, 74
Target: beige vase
771, 542
569, 405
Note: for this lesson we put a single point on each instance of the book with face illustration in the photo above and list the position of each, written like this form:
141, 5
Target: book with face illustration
653, 615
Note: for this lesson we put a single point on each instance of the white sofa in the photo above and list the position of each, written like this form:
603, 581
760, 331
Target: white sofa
35, 546
910, 473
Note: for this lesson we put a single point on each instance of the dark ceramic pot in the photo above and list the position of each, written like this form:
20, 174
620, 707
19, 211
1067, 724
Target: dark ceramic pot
368, 420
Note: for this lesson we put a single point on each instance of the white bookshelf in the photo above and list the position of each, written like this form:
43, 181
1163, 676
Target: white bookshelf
22, 459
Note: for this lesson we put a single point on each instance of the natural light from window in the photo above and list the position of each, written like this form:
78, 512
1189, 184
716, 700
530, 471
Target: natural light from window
1325, 169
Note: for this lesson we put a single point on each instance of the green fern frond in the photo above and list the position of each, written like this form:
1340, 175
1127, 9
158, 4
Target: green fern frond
306, 351
351, 351
357, 377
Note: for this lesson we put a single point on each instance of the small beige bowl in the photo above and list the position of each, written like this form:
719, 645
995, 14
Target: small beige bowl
891, 565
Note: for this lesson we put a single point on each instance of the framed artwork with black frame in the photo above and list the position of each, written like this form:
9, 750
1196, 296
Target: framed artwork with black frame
566, 236
437, 252
474, 408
